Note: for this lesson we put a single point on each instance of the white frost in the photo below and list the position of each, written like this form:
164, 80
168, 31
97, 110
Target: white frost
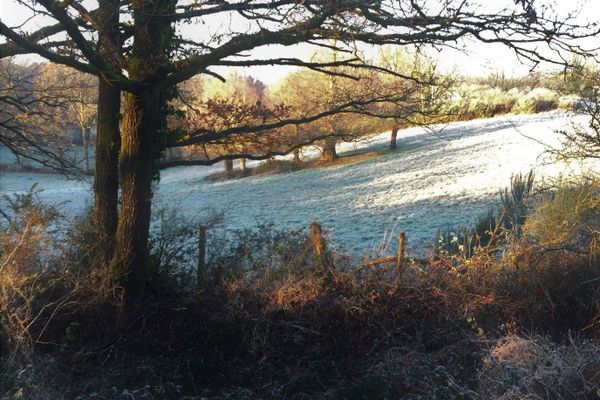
431, 181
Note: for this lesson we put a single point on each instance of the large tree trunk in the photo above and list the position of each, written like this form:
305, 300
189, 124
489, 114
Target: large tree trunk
243, 165
328, 152
108, 140
297, 155
393, 144
106, 173
141, 117
142, 120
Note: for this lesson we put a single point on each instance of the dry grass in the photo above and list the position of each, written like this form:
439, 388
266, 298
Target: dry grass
567, 216
534, 367
482, 101
537, 100
26, 246
45, 283
272, 322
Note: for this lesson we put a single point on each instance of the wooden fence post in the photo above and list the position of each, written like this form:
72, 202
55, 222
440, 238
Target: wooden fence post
201, 273
398, 258
400, 261
317, 239
318, 243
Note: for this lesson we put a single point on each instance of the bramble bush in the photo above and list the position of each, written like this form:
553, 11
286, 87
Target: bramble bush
270, 322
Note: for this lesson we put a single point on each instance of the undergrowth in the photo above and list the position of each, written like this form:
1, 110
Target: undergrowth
272, 320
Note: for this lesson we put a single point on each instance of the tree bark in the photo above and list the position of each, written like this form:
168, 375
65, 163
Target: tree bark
228, 165
106, 173
297, 155
141, 117
328, 152
393, 144
108, 140
243, 165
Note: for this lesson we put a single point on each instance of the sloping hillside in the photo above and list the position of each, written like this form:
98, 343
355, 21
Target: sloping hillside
445, 176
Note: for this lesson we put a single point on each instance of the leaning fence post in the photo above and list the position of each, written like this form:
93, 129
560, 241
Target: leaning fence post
317, 239
318, 244
401, 240
201, 257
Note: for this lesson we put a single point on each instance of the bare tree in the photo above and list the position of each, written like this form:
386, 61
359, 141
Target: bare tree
308, 92
415, 99
80, 111
34, 107
210, 103
582, 141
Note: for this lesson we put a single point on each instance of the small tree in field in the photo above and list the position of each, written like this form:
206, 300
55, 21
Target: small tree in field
313, 92
418, 91
212, 103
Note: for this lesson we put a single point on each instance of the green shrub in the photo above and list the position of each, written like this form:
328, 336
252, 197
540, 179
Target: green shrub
465, 241
481, 101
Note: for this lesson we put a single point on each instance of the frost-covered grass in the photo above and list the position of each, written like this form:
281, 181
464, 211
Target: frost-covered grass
436, 178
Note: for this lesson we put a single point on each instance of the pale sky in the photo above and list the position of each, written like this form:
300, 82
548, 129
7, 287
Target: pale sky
478, 59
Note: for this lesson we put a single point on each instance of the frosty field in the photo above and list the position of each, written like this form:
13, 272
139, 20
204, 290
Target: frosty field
434, 179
